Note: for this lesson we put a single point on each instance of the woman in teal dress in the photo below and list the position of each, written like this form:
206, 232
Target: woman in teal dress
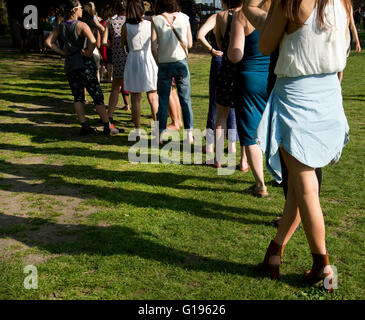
250, 92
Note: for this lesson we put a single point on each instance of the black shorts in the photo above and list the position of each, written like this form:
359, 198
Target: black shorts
86, 78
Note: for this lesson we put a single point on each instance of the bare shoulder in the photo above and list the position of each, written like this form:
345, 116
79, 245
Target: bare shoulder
240, 16
222, 18
222, 14
81, 25
306, 8
213, 16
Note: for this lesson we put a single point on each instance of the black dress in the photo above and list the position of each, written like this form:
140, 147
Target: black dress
225, 80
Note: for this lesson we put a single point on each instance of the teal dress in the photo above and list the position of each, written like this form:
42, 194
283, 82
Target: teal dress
250, 89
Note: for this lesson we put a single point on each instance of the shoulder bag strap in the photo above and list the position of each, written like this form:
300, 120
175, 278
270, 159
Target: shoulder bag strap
176, 34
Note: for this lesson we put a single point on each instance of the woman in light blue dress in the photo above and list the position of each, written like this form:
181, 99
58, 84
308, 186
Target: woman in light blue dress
304, 119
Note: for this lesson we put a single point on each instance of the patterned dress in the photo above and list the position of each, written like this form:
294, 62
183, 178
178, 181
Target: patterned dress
224, 95
119, 58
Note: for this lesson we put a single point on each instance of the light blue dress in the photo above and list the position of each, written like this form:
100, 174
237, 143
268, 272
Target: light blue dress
305, 116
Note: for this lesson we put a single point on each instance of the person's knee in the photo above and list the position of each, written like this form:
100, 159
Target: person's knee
305, 183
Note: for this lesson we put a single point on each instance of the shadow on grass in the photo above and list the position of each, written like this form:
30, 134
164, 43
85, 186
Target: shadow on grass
201, 96
40, 86
38, 100
121, 240
54, 184
357, 97
45, 134
38, 69
47, 117
63, 113
50, 110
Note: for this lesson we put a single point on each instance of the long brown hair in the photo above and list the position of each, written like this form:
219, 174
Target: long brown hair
291, 10
119, 7
135, 11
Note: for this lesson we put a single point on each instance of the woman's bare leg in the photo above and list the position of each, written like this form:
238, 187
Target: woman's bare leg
152, 98
340, 76
101, 110
109, 68
136, 109
291, 217
232, 146
243, 161
125, 99
305, 185
255, 160
114, 96
101, 72
80, 111
174, 110
220, 128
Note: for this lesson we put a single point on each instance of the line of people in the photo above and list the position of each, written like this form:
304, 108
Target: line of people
134, 67
273, 81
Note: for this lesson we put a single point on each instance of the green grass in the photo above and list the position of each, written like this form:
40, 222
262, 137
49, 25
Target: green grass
116, 230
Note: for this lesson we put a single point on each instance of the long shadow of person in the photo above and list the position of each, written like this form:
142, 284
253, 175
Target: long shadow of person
120, 240
52, 175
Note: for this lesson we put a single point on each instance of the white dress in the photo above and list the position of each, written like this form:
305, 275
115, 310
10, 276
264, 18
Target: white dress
140, 73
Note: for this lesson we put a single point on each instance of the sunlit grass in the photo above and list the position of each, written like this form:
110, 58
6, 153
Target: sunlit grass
116, 230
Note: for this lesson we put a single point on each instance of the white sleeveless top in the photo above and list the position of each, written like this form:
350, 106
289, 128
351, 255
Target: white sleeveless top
139, 36
310, 50
170, 49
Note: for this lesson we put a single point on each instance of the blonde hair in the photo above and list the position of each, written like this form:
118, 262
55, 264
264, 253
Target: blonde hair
93, 8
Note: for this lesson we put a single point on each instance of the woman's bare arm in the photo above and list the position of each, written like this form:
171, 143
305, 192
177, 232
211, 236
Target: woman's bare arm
106, 35
100, 27
273, 29
98, 41
87, 33
189, 36
237, 40
354, 32
123, 37
256, 12
154, 42
218, 30
205, 28
51, 42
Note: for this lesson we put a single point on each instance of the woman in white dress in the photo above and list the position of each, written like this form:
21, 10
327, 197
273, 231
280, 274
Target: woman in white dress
140, 73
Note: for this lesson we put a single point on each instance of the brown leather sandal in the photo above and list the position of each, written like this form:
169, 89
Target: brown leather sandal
260, 192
